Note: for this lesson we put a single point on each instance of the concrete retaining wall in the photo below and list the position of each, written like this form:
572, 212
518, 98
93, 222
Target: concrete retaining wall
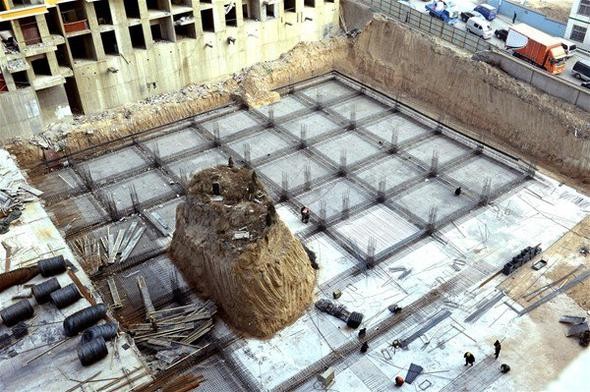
20, 114
539, 79
530, 17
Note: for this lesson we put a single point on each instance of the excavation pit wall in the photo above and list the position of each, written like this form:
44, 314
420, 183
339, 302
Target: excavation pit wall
473, 97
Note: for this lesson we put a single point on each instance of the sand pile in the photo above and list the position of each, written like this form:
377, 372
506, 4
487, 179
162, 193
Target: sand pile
233, 248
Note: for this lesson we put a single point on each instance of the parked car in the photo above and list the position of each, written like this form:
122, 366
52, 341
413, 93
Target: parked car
466, 15
487, 11
442, 11
501, 34
569, 47
581, 70
480, 27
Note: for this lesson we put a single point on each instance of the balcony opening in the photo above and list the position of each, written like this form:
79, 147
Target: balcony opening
7, 40
184, 3
184, 26
245, 11
82, 47
157, 5
137, 38
2, 8
131, 9
290, 5
74, 17
109, 43
103, 12
231, 16
41, 66
21, 79
30, 31
162, 30
53, 22
63, 60
3, 85
271, 11
207, 20
309, 3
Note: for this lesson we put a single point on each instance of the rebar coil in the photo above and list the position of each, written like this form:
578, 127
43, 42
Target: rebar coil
52, 266
42, 290
106, 331
22, 310
65, 296
83, 319
92, 351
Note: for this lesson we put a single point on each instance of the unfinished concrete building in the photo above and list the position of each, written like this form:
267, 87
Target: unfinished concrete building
82, 56
444, 202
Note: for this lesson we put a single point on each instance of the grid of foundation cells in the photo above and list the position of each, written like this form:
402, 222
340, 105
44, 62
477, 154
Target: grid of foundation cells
373, 172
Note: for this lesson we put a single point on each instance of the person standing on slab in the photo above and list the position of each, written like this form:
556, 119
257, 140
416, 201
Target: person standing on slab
469, 358
497, 348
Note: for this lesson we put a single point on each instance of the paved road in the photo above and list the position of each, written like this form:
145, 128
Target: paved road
501, 22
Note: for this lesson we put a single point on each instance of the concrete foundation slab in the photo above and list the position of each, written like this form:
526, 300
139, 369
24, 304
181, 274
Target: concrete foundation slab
315, 124
394, 170
260, 145
327, 91
363, 107
355, 147
403, 126
230, 124
114, 163
475, 171
176, 142
333, 260
167, 212
431, 194
287, 105
150, 186
333, 194
198, 162
78, 212
446, 148
294, 167
378, 224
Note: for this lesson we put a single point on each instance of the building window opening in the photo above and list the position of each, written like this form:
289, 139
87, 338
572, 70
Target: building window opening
231, 17
207, 20
290, 5
309, 3
131, 8
578, 33
41, 66
109, 42
103, 12
82, 47
137, 38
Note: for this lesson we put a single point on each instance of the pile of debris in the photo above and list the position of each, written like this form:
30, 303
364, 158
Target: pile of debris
13, 194
109, 249
578, 329
170, 334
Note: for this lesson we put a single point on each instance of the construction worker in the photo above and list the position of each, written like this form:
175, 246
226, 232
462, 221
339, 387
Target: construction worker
458, 191
469, 358
497, 348
305, 214
504, 368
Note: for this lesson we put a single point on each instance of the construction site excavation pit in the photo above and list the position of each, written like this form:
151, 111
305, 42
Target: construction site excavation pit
404, 211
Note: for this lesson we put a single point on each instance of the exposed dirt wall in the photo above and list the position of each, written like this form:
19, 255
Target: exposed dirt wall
253, 86
496, 107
